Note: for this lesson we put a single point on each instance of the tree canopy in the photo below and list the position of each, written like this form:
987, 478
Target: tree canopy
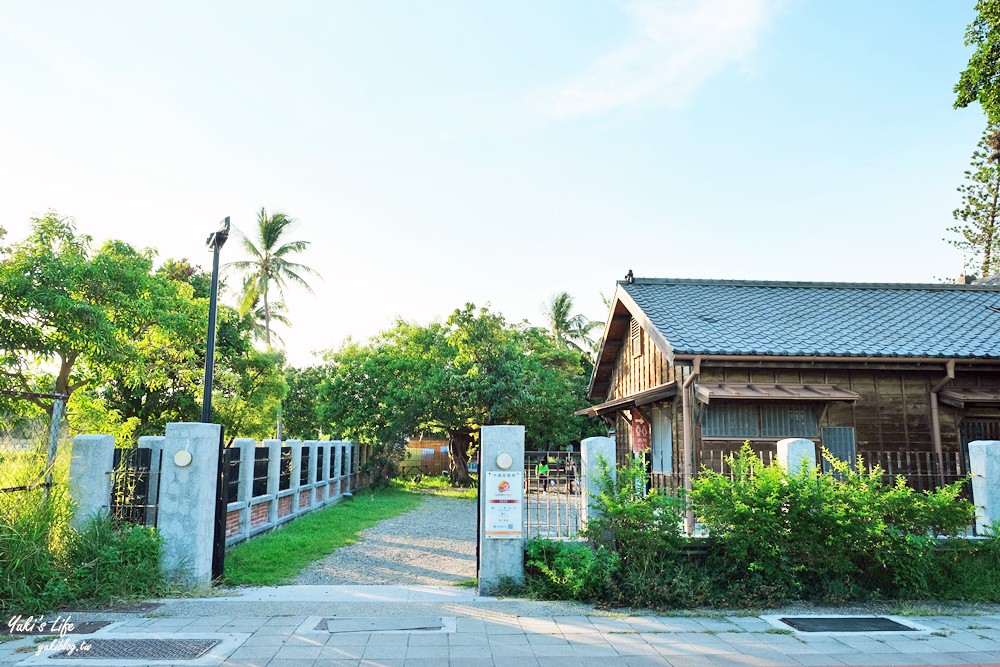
124, 342
980, 81
450, 378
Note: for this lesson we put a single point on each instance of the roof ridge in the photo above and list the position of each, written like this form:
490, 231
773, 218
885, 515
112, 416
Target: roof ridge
810, 284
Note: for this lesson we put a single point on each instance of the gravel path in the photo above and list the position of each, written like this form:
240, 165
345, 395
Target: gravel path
435, 544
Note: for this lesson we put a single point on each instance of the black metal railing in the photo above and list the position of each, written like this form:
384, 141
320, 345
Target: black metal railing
231, 466
260, 465
135, 486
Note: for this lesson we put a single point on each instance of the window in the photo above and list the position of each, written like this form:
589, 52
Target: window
635, 337
748, 420
663, 441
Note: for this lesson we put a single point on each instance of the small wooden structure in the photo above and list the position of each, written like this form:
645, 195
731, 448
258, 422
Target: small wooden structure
905, 375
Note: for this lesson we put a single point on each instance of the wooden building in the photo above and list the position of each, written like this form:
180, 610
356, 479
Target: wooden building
903, 374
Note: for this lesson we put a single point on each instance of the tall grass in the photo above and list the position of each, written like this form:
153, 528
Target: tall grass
45, 564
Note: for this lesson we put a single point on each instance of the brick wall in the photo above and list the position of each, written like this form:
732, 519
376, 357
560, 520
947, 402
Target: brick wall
303, 499
284, 506
258, 514
232, 523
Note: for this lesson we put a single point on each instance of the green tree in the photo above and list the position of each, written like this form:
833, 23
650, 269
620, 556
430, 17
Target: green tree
270, 266
300, 409
451, 378
979, 214
572, 330
80, 310
980, 82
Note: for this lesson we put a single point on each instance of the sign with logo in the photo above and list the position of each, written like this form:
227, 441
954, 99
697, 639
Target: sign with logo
504, 492
641, 433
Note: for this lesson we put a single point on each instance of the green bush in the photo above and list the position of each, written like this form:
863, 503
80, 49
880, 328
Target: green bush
107, 563
45, 564
775, 537
830, 536
568, 570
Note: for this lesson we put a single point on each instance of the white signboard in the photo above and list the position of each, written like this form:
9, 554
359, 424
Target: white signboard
503, 492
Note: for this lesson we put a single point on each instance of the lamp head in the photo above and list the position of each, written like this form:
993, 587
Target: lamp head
218, 239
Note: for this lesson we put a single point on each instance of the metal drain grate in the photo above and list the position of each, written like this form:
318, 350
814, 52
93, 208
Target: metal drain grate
845, 624
141, 649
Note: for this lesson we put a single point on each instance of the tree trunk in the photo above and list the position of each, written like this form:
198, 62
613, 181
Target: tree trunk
459, 442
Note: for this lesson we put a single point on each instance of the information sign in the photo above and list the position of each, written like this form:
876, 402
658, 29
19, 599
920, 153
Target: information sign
503, 492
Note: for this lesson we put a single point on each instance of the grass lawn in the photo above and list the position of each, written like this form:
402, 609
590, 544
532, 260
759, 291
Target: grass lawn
437, 485
278, 556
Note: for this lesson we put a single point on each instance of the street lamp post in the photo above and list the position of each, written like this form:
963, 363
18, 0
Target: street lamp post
215, 241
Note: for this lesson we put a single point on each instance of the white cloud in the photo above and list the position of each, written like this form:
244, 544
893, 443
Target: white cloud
676, 45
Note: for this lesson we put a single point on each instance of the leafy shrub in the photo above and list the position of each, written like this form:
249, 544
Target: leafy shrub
45, 564
568, 570
828, 536
107, 563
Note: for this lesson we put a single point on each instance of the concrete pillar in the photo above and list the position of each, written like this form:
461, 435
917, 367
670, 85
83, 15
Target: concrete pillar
273, 477
313, 468
247, 447
592, 452
501, 470
324, 473
794, 454
90, 477
296, 482
984, 464
187, 501
347, 486
338, 453
154, 443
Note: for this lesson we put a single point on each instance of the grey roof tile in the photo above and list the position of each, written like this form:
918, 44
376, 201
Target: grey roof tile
822, 319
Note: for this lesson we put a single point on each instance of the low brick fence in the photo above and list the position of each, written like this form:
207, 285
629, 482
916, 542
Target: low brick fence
271, 483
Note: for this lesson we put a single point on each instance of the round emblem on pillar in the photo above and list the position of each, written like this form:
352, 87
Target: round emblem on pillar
182, 458
504, 461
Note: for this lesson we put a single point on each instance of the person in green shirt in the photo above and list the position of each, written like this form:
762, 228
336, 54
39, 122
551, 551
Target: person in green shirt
542, 471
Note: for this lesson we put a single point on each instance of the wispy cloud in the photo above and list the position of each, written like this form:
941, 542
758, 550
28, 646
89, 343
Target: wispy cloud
676, 45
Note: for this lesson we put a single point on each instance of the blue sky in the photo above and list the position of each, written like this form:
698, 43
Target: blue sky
442, 152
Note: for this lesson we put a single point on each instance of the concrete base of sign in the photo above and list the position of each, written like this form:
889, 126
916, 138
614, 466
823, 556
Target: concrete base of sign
500, 559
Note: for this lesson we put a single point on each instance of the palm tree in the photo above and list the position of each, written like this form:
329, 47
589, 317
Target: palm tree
258, 319
269, 266
572, 330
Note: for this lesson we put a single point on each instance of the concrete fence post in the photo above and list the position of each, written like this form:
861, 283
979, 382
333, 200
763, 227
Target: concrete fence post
296, 480
349, 467
338, 454
794, 454
501, 507
984, 464
313, 469
90, 477
324, 472
188, 482
592, 452
248, 451
273, 477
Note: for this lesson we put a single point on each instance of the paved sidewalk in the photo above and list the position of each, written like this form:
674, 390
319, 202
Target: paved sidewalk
327, 626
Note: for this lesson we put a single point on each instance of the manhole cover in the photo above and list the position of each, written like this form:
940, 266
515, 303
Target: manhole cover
845, 624
140, 649
48, 626
432, 624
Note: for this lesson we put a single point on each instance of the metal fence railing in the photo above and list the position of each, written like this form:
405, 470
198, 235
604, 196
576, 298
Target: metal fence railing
31, 432
552, 496
135, 484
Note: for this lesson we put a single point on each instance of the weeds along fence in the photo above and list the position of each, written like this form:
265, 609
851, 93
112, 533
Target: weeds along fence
32, 431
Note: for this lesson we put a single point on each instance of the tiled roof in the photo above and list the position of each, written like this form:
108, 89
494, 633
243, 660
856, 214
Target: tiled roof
822, 319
